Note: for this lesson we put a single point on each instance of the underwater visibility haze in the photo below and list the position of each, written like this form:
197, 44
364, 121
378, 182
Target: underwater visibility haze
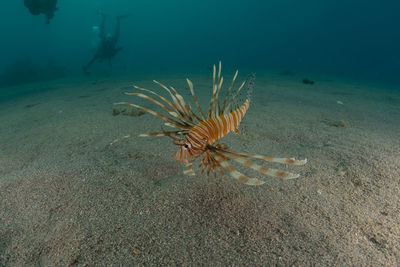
354, 39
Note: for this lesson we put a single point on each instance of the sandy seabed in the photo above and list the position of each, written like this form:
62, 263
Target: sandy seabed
68, 198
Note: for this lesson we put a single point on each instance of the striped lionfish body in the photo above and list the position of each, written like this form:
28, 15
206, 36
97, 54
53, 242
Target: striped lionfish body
207, 132
200, 133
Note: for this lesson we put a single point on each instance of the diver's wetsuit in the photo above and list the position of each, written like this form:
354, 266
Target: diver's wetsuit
46, 7
107, 47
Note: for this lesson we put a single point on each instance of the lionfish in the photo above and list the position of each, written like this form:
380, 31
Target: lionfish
197, 133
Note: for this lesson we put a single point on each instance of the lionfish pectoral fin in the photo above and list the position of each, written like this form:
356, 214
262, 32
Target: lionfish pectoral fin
289, 161
179, 103
177, 113
177, 124
170, 112
146, 135
158, 95
223, 161
266, 171
195, 100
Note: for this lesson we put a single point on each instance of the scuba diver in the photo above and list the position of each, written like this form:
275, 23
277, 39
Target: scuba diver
107, 46
46, 7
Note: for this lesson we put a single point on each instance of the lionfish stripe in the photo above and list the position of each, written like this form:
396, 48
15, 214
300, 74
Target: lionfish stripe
240, 113
237, 117
229, 122
194, 142
236, 174
267, 171
224, 125
220, 126
202, 128
196, 136
213, 130
235, 122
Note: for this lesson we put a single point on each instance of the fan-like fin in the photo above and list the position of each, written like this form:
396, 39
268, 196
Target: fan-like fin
171, 112
149, 135
290, 161
160, 96
185, 108
176, 114
177, 104
223, 161
195, 99
165, 118
267, 171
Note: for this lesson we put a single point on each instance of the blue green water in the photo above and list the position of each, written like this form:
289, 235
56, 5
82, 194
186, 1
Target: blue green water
350, 39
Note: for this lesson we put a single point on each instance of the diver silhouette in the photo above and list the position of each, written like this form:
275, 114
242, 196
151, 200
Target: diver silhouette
46, 7
107, 47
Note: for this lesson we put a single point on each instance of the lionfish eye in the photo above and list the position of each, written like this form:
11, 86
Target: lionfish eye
186, 146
